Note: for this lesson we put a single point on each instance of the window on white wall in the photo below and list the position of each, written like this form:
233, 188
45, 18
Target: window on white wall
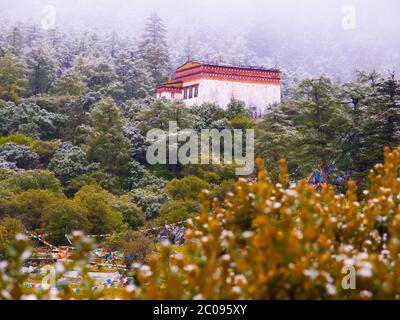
196, 91
190, 92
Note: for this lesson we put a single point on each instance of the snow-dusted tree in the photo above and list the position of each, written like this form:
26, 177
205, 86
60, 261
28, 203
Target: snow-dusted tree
15, 156
43, 67
33, 35
68, 162
276, 138
137, 140
322, 121
71, 83
205, 115
108, 145
153, 48
147, 190
136, 80
98, 74
30, 119
236, 108
381, 125
15, 41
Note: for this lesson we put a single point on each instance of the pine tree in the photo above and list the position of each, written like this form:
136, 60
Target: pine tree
107, 146
33, 35
381, 126
153, 48
276, 138
354, 96
43, 67
12, 82
71, 83
15, 41
136, 80
322, 122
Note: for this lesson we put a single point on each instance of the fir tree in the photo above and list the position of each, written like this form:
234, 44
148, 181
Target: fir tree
12, 82
153, 48
136, 80
15, 41
43, 67
107, 146
322, 122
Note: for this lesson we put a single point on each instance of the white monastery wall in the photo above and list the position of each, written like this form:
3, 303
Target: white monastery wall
257, 96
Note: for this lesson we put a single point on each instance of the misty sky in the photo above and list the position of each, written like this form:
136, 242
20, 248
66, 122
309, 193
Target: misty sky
309, 29
372, 15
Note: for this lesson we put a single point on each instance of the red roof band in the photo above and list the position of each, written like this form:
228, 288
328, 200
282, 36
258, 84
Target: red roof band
194, 70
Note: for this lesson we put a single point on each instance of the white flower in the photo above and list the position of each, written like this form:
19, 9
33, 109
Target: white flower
226, 257
174, 269
330, 289
311, 274
190, 267
365, 273
365, 294
247, 234
236, 289
240, 279
21, 237
277, 205
130, 288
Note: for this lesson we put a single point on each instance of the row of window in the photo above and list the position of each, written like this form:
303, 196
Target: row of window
191, 92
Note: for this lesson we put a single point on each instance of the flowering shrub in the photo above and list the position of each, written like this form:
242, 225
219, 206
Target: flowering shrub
280, 241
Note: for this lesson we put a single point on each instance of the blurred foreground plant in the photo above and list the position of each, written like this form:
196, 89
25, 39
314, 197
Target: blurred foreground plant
271, 241
281, 241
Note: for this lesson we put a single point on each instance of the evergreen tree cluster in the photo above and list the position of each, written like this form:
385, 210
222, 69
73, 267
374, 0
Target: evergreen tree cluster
75, 110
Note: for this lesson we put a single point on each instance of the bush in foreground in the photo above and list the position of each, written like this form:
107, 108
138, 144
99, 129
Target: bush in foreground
280, 241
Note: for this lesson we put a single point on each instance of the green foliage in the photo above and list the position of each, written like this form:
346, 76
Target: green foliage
187, 188
277, 137
31, 120
242, 122
132, 215
71, 83
98, 203
207, 116
177, 210
9, 227
42, 68
69, 162
107, 146
29, 206
104, 179
17, 138
236, 108
160, 112
212, 173
62, 217
153, 49
12, 82
45, 149
220, 191
322, 122
136, 80
137, 176
32, 179
149, 200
